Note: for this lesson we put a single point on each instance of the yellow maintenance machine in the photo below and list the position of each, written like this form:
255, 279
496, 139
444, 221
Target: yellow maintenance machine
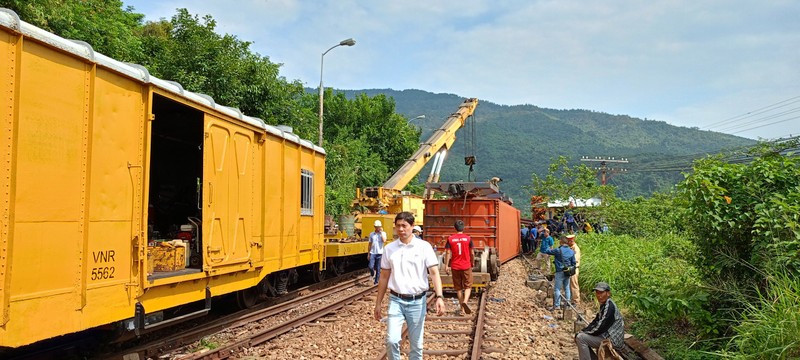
129, 203
342, 248
390, 197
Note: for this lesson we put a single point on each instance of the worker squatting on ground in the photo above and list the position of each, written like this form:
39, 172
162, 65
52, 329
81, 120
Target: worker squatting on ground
458, 257
376, 240
404, 266
564, 257
574, 287
607, 324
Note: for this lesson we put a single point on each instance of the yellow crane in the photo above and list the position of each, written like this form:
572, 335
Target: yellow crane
390, 197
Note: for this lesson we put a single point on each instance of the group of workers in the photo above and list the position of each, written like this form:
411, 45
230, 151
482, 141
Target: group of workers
604, 335
403, 267
573, 224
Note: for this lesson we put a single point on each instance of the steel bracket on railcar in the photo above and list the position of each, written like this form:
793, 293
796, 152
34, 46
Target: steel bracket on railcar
485, 269
143, 322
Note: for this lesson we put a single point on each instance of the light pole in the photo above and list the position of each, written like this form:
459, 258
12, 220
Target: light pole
415, 118
346, 42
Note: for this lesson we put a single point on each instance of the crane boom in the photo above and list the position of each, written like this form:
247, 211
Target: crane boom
441, 138
389, 197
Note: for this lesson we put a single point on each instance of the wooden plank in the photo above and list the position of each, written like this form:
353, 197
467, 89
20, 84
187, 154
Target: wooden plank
640, 348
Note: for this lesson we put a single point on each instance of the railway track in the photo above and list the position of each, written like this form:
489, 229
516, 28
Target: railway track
259, 336
182, 337
448, 336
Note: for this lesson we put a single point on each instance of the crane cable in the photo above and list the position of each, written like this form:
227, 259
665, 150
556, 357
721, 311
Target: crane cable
469, 149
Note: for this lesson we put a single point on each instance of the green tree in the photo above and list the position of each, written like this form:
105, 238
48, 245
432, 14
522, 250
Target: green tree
744, 219
103, 24
187, 49
366, 142
746, 215
374, 120
564, 181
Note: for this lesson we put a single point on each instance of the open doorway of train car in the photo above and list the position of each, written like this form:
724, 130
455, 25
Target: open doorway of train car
176, 178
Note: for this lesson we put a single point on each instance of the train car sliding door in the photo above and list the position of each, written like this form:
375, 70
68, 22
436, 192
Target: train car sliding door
175, 193
228, 184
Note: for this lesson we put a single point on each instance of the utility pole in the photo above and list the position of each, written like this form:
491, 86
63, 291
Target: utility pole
604, 169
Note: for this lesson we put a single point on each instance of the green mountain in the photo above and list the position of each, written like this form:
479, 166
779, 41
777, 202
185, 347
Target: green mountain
513, 142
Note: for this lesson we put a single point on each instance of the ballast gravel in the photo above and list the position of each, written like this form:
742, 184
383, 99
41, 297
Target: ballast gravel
518, 326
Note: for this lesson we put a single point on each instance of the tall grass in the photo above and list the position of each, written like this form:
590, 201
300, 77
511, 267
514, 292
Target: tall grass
770, 327
665, 300
651, 276
655, 282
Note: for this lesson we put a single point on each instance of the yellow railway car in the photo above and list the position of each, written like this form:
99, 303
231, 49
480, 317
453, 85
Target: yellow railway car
102, 166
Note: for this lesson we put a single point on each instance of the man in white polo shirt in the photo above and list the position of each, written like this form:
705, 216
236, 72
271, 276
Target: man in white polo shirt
404, 264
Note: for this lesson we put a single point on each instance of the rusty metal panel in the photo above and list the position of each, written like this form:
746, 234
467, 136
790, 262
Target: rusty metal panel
489, 222
478, 215
166, 258
508, 245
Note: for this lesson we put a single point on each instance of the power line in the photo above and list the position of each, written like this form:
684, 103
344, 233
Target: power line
753, 113
761, 119
604, 169
684, 163
772, 123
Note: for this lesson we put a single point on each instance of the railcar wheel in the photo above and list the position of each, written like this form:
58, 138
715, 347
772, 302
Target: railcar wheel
494, 267
247, 298
318, 275
336, 266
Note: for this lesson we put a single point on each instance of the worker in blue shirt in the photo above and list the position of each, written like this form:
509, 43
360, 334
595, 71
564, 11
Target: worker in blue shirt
531, 238
523, 236
547, 243
564, 257
572, 225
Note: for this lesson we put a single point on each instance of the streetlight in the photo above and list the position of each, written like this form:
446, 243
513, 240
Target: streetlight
346, 42
418, 117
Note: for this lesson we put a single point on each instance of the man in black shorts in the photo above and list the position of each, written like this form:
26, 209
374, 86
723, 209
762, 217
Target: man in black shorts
458, 257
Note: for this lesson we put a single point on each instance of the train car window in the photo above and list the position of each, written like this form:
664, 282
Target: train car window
306, 192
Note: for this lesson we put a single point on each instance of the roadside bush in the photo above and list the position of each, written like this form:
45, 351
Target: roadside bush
743, 214
653, 277
769, 326
640, 217
654, 280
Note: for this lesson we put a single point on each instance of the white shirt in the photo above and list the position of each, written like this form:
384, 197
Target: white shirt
409, 265
376, 242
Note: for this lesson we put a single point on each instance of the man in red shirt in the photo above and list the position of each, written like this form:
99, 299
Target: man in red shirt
458, 257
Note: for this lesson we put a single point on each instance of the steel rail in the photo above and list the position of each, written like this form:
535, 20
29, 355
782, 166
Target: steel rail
477, 333
279, 329
404, 335
477, 341
297, 297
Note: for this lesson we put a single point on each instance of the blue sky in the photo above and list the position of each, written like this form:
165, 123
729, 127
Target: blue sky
729, 65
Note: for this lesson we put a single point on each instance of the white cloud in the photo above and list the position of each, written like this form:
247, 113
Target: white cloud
685, 62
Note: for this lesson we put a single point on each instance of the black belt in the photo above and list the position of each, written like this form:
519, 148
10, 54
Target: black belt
408, 297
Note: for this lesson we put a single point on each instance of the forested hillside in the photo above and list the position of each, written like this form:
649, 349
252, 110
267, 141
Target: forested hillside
511, 142
514, 141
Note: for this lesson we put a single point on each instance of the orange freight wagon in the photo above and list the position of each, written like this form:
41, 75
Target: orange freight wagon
493, 225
